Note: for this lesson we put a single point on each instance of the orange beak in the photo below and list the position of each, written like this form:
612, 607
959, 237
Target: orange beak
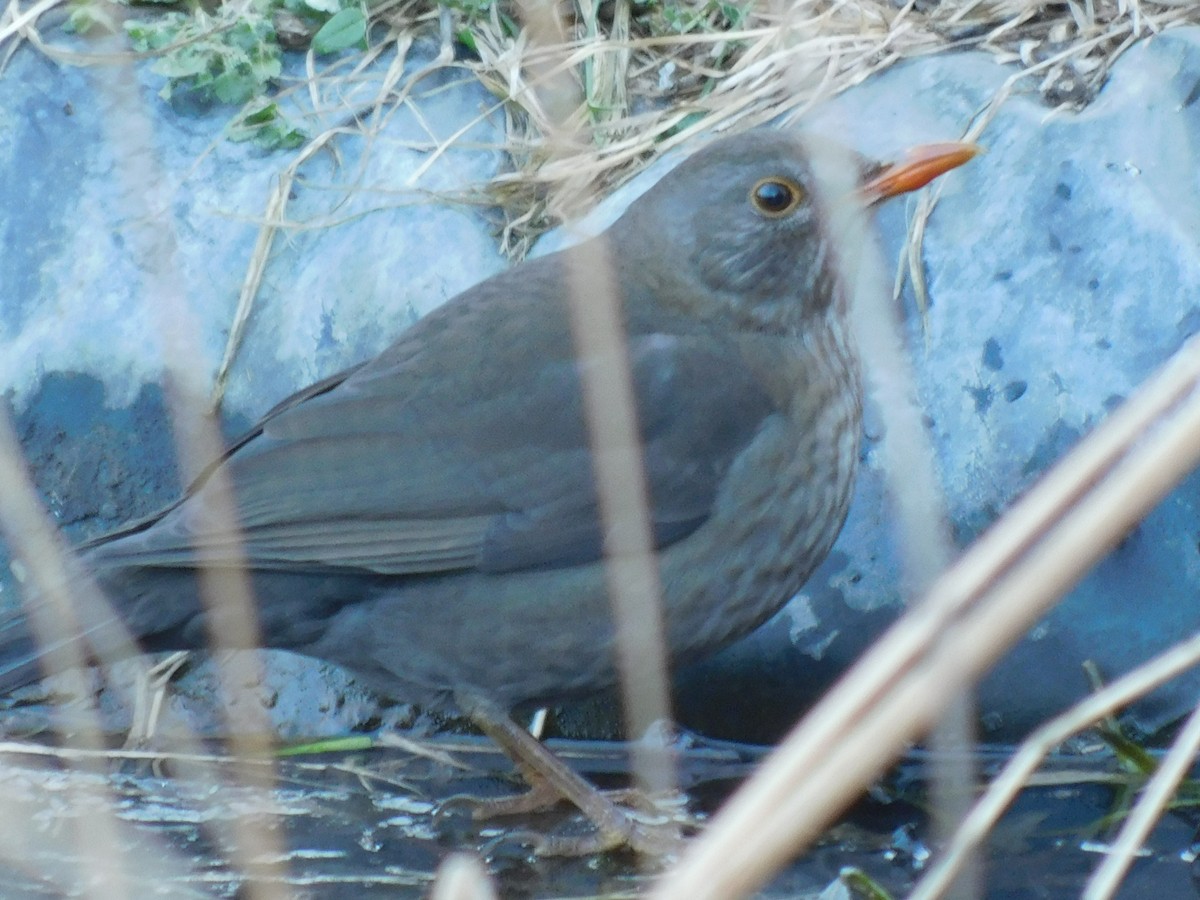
917, 169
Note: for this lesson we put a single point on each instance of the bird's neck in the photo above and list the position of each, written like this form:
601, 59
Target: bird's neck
823, 358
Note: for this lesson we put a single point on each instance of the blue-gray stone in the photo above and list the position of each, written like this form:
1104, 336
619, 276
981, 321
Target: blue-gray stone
368, 248
1062, 268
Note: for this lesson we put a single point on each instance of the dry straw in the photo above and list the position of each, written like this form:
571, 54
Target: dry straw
974, 611
589, 103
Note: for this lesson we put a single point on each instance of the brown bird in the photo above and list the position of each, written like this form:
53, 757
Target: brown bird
428, 519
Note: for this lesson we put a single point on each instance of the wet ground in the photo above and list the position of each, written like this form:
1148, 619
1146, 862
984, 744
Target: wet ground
376, 824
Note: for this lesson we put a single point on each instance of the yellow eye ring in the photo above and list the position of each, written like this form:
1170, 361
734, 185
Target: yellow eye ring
776, 197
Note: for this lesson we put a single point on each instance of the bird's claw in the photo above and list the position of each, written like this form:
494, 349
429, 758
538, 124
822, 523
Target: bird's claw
651, 826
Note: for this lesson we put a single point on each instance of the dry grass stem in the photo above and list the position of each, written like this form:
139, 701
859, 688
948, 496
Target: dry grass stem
225, 590
107, 754
917, 500
15, 22
630, 562
37, 547
149, 696
983, 603
462, 877
1021, 770
276, 205
645, 84
1145, 815
587, 101
758, 71
631, 566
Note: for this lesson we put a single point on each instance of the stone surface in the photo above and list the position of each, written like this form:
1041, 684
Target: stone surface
1062, 267
365, 252
1063, 270
369, 249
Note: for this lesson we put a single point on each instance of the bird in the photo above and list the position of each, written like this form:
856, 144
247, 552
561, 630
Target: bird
428, 519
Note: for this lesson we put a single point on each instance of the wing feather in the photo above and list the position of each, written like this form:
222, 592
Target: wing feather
435, 457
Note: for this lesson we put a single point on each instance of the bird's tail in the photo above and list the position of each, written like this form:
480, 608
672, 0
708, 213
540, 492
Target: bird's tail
85, 617
20, 656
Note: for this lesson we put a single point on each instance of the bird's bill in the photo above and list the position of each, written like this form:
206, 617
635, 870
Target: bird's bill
917, 169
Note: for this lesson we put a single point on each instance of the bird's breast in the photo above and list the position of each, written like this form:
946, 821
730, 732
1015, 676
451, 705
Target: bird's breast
780, 507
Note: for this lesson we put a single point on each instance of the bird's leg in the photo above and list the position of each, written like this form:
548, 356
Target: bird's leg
150, 692
550, 781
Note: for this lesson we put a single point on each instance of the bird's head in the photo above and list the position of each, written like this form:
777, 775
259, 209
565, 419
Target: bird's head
741, 228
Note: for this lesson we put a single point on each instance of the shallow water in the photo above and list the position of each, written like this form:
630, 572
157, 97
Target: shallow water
375, 824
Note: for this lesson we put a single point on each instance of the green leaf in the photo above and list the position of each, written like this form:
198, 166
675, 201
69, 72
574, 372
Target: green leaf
147, 36
267, 127
861, 885
346, 29
466, 37
266, 68
233, 87
330, 745
182, 64
86, 16
261, 116
324, 7
282, 137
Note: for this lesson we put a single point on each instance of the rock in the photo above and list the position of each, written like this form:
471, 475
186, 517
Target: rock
1062, 270
80, 338
1060, 266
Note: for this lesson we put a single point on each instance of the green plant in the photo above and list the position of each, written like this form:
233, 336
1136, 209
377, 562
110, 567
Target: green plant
469, 14
86, 16
665, 18
264, 123
233, 56
339, 25
346, 28
229, 57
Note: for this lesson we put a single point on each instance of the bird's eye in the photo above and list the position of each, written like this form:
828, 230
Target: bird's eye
776, 196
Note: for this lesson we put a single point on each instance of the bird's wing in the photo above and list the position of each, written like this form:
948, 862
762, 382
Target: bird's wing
136, 526
405, 467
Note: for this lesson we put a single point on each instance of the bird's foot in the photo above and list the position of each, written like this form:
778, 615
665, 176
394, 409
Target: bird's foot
649, 825
543, 797
150, 694
649, 829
